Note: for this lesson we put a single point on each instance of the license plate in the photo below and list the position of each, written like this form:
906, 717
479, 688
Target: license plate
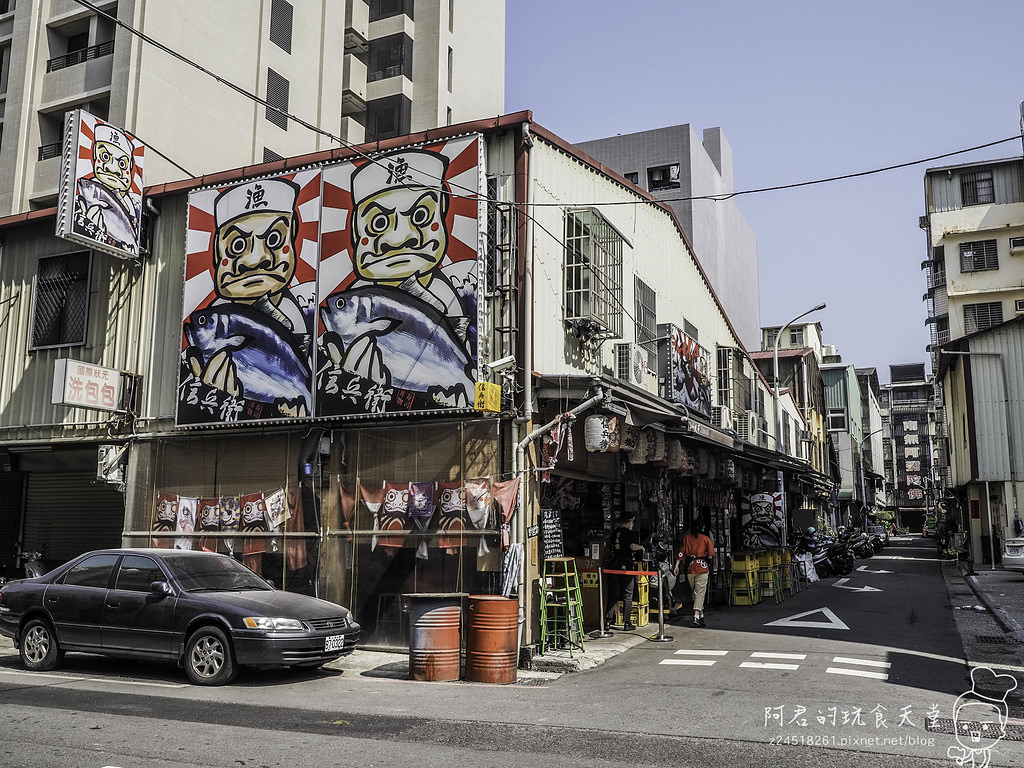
334, 643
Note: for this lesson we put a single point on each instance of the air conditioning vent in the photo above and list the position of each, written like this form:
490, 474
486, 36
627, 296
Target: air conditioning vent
742, 424
1016, 245
1018, 305
631, 364
721, 417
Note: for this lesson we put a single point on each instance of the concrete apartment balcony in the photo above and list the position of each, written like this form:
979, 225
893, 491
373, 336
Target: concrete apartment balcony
352, 130
353, 86
45, 179
389, 86
357, 28
70, 77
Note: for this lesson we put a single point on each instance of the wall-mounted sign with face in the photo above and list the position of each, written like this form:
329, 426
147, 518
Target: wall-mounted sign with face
101, 186
250, 301
398, 281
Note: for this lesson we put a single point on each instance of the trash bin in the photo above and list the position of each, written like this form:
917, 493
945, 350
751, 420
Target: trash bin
492, 623
435, 637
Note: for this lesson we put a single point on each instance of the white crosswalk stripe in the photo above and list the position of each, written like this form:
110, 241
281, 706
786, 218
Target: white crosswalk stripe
784, 662
859, 672
694, 662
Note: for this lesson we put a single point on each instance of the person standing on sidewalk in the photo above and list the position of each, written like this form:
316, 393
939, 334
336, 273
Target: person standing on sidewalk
695, 554
625, 541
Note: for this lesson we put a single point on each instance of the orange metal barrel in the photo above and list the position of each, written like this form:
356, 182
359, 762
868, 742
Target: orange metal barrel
491, 653
435, 639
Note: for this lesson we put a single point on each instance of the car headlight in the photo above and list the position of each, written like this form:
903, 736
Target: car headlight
271, 624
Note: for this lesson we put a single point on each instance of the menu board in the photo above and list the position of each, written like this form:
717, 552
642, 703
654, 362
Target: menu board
551, 533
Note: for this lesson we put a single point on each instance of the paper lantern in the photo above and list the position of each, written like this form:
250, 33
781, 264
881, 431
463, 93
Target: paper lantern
674, 453
629, 435
639, 454
597, 433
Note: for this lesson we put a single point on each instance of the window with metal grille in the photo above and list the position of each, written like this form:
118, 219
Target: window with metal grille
646, 314
978, 317
270, 156
724, 368
277, 96
977, 188
979, 256
281, 24
60, 302
593, 274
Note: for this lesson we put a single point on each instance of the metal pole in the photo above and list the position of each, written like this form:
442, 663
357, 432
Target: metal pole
661, 637
601, 632
991, 538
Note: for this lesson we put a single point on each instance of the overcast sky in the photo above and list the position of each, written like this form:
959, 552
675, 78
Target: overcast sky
802, 90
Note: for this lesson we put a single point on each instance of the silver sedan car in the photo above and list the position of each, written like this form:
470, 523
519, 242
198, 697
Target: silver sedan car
1013, 554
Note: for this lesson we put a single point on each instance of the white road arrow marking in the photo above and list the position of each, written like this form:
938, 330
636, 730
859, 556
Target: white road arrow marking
841, 583
831, 620
864, 569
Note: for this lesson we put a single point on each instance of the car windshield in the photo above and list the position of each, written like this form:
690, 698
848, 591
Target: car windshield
216, 573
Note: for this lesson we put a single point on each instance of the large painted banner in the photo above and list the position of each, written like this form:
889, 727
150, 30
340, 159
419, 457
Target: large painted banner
343, 290
688, 370
100, 200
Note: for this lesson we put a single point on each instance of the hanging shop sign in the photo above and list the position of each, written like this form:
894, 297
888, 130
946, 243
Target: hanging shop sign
84, 385
488, 397
684, 366
298, 303
100, 194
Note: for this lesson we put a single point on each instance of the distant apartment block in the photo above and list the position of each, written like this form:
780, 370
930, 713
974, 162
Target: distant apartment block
675, 165
358, 70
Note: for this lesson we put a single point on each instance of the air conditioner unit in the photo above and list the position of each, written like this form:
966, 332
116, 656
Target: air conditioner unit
1018, 305
1016, 245
631, 366
742, 424
806, 435
721, 417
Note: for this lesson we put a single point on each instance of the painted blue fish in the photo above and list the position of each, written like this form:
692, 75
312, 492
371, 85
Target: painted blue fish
266, 364
416, 342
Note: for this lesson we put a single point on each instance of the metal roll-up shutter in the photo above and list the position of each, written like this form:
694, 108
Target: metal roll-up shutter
68, 513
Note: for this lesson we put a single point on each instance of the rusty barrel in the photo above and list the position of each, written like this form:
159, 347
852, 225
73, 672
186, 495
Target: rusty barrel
435, 637
492, 622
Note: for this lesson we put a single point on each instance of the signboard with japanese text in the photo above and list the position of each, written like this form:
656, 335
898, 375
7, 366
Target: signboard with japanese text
686, 368
344, 289
100, 194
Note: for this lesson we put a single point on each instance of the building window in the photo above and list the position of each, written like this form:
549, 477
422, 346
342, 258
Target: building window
281, 24
390, 56
836, 419
593, 275
60, 303
977, 188
770, 336
388, 117
663, 177
277, 96
633, 177
6, 6
978, 256
385, 9
646, 314
796, 337
978, 317
451, 58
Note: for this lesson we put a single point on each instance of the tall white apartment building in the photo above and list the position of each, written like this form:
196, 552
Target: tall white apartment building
360, 70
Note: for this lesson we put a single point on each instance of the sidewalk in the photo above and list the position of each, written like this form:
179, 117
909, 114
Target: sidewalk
988, 607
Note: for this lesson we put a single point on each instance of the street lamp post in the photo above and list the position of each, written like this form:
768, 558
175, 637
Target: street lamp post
863, 492
775, 371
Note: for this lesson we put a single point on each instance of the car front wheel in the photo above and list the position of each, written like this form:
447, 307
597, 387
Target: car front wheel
208, 657
39, 648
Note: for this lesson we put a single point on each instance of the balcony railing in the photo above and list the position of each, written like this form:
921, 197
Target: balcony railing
46, 151
77, 57
383, 74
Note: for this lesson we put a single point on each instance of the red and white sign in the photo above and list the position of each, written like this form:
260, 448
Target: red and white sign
84, 385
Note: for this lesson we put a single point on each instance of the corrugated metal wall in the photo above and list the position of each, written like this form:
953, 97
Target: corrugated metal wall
944, 188
990, 400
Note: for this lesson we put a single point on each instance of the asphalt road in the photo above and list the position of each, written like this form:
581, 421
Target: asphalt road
763, 685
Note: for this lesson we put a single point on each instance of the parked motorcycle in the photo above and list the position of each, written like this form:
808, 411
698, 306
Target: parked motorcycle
31, 562
857, 541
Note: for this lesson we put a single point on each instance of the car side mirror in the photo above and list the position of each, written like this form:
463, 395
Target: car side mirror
161, 588
271, 583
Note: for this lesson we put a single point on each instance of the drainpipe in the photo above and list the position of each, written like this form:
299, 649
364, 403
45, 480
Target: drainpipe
524, 275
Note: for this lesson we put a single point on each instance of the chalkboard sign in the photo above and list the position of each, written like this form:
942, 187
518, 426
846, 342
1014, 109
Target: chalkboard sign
551, 533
